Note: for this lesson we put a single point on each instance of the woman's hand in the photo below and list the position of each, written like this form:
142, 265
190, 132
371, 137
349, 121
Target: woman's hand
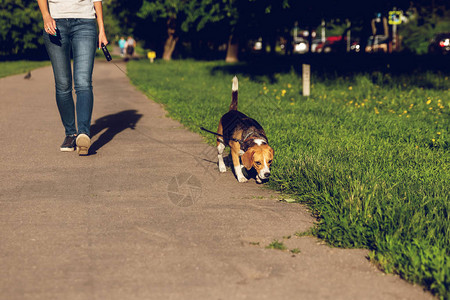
102, 39
49, 25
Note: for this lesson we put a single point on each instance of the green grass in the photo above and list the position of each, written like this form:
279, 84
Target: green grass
276, 245
368, 153
8, 68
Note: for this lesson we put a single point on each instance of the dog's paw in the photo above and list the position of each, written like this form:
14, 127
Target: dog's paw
242, 179
222, 169
258, 180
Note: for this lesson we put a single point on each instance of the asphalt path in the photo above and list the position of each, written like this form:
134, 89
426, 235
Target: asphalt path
147, 215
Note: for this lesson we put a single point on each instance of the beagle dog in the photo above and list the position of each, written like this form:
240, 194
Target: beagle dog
247, 141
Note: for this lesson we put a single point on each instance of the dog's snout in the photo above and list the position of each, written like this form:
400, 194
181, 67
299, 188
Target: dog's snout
266, 175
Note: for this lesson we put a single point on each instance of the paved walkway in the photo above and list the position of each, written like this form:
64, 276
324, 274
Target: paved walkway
147, 216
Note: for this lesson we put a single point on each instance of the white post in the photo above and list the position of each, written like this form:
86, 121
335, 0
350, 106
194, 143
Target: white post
306, 78
323, 31
394, 37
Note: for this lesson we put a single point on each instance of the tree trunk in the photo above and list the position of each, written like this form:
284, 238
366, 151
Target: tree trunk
232, 50
171, 41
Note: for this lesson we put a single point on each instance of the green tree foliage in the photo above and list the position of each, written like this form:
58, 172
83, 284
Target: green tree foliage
165, 9
20, 26
112, 24
202, 13
169, 11
124, 13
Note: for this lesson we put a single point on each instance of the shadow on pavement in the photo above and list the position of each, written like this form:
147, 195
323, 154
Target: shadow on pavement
114, 124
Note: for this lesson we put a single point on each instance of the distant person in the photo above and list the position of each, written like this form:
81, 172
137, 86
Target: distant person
131, 44
69, 26
122, 42
380, 34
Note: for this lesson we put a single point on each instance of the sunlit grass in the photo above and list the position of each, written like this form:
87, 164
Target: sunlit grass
8, 68
369, 153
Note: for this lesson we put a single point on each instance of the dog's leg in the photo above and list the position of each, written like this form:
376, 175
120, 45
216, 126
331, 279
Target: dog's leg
237, 163
220, 148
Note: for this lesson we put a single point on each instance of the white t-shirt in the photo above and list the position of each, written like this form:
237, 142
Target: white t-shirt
62, 9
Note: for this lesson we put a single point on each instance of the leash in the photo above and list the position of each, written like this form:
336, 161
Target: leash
228, 138
109, 59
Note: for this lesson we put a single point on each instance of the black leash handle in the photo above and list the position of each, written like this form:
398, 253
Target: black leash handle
106, 53
228, 138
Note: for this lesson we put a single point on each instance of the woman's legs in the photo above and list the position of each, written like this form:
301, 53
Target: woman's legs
84, 44
58, 49
80, 36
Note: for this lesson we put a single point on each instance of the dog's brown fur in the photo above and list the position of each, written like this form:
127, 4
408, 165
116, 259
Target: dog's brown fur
253, 147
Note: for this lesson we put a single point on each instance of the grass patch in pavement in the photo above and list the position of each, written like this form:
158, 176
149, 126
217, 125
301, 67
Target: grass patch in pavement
8, 68
276, 245
368, 152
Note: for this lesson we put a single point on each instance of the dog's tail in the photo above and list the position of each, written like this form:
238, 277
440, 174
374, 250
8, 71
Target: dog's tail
234, 94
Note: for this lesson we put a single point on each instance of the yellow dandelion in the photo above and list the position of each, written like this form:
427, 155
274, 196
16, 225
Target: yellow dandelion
428, 102
283, 92
292, 103
277, 97
289, 86
264, 87
405, 112
430, 108
439, 133
350, 88
407, 116
417, 147
362, 104
411, 106
376, 110
433, 140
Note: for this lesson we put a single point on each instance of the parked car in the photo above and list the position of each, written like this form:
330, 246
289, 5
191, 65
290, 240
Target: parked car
257, 46
300, 45
440, 44
337, 44
316, 44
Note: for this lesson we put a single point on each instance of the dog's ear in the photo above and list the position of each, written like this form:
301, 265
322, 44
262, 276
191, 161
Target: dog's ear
247, 158
271, 151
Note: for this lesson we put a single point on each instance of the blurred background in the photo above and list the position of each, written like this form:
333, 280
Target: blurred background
234, 30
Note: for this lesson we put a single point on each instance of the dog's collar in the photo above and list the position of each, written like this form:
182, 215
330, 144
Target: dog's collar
252, 134
249, 139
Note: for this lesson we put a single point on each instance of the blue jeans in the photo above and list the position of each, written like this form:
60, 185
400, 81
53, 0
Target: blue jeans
80, 37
